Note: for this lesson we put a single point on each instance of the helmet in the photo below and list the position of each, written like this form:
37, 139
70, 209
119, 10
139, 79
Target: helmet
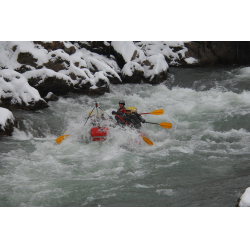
91, 113
134, 109
129, 109
122, 102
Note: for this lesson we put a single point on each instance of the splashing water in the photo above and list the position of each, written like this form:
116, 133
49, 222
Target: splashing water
201, 161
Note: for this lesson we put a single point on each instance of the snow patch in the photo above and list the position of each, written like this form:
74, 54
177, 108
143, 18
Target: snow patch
5, 115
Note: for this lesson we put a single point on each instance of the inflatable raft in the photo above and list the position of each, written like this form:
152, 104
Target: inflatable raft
99, 133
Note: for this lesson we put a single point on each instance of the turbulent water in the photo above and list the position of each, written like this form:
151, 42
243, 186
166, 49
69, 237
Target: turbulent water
202, 161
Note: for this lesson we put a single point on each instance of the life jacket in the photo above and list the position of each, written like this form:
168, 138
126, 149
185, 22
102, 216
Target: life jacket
120, 112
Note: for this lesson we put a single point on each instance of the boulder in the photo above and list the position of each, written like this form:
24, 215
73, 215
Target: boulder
58, 86
99, 47
155, 69
244, 200
219, 52
16, 93
132, 72
50, 46
7, 122
50, 97
27, 59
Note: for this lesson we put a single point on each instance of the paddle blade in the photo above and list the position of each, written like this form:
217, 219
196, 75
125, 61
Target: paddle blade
157, 112
165, 125
150, 143
61, 138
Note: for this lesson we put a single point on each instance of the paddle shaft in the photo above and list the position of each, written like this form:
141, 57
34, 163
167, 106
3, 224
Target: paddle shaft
152, 123
89, 116
121, 119
143, 137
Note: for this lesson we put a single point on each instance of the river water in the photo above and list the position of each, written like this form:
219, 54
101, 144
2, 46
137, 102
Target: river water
203, 161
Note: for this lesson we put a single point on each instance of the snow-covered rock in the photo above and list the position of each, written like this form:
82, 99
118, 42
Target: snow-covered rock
126, 52
132, 72
155, 68
47, 80
50, 97
244, 200
7, 122
15, 92
174, 52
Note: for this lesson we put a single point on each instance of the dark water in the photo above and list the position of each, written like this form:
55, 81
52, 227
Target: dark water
203, 161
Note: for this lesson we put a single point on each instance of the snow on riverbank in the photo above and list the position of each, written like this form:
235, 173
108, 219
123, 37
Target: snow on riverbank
30, 70
5, 115
245, 198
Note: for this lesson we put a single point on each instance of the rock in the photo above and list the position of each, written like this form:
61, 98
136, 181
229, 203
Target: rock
244, 200
27, 59
50, 97
8, 129
99, 47
155, 69
7, 122
50, 46
58, 86
16, 93
57, 64
132, 72
23, 69
219, 52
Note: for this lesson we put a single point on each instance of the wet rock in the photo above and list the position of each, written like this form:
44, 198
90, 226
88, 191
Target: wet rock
50, 97
58, 86
7, 122
219, 52
8, 129
30, 106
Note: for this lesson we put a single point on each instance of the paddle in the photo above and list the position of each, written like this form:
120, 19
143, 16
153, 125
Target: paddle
162, 124
62, 137
155, 112
150, 143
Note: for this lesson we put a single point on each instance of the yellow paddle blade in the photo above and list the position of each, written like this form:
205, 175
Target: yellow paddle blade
157, 112
150, 143
61, 138
165, 125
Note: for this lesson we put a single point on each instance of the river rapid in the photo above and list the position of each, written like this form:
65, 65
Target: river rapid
203, 161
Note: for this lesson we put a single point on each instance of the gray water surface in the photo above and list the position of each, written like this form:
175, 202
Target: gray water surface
203, 161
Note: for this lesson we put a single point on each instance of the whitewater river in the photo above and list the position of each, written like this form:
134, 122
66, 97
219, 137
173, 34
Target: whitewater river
203, 161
